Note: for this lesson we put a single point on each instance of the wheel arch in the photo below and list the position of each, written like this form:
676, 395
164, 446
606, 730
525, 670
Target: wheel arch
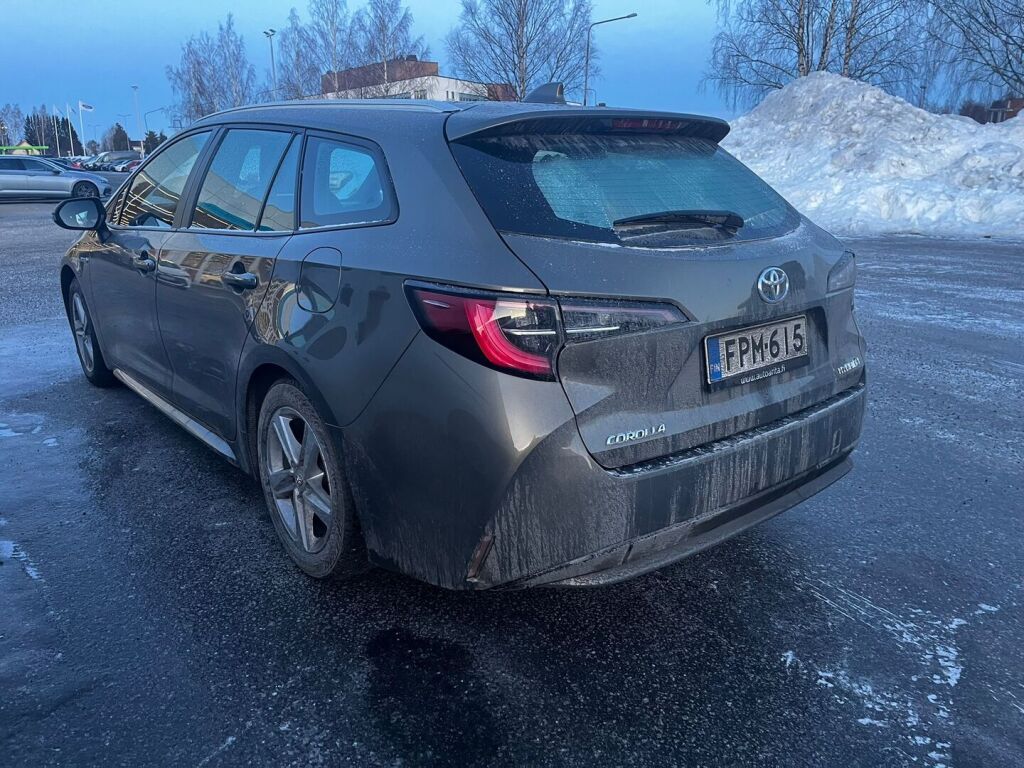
67, 274
263, 367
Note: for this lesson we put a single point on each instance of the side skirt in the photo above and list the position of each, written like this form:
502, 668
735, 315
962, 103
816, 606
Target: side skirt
179, 417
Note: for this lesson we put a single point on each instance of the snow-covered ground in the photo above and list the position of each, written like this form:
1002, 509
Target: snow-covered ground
857, 160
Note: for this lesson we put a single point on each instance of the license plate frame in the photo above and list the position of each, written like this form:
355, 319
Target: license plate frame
717, 362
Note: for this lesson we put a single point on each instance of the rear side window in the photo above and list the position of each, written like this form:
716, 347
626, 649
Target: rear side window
342, 184
578, 185
11, 164
156, 189
238, 179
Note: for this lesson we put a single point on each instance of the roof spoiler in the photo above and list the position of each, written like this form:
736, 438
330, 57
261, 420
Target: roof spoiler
549, 93
602, 120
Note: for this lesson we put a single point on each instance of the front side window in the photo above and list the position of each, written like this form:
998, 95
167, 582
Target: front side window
156, 189
342, 184
238, 179
628, 188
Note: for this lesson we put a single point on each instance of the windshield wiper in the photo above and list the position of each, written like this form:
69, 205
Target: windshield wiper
727, 220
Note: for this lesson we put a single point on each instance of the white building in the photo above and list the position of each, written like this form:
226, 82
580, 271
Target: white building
408, 78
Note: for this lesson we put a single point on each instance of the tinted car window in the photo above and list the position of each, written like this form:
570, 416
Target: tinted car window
342, 184
279, 210
238, 178
37, 165
156, 189
11, 164
577, 185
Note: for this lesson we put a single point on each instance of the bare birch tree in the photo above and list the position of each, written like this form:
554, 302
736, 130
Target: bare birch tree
298, 63
986, 38
213, 73
521, 42
764, 44
11, 123
382, 32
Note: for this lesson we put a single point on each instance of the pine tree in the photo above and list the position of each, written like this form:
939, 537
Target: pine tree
153, 140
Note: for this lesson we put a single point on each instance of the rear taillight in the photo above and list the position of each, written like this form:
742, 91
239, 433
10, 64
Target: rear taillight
509, 333
523, 334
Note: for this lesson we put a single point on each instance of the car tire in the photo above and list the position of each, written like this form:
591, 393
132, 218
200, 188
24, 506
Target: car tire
305, 487
85, 189
89, 353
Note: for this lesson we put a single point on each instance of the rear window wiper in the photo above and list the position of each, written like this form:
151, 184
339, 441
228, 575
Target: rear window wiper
727, 220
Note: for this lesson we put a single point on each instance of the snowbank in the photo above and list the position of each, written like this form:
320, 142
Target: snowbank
859, 161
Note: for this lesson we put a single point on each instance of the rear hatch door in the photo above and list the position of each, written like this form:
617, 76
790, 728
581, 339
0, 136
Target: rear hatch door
576, 200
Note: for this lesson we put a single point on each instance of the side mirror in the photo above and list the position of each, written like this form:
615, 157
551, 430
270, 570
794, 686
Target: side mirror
55, 172
80, 213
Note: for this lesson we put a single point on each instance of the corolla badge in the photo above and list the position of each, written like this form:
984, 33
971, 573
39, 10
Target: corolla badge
635, 434
773, 284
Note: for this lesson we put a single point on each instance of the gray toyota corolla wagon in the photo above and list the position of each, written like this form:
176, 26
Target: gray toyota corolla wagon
484, 344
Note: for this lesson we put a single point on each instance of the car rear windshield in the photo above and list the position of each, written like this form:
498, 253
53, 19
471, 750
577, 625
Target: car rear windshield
577, 185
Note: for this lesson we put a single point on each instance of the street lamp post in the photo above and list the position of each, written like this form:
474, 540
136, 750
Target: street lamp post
586, 58
273, 70
138, 123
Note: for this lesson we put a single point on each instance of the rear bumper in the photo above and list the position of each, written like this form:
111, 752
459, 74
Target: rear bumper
656, 550
473, 480
610, 525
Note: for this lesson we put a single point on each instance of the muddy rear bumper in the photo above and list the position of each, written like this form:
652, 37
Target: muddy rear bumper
656, 550
618, 524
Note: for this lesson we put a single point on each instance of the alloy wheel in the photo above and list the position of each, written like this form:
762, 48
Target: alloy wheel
85, 189
298, 480
83, 337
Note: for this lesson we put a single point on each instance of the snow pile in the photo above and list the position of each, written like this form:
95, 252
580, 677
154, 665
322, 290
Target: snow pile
859, 161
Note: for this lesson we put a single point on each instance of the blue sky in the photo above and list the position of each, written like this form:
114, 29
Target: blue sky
94, 50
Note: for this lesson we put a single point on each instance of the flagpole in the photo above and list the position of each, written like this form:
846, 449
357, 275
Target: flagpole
81, 130
56, 133
67, 114
58, 124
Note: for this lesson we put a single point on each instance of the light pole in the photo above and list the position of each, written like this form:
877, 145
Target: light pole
273, 70
586, 58
138, 123
145, 117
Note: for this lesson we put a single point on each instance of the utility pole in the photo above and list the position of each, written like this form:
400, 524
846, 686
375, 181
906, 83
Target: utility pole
586, 58
138, 124
273, 70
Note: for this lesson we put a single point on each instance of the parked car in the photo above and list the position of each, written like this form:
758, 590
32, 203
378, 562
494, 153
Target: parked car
485, 344
22, 176
111, 160
94, 162
124, 166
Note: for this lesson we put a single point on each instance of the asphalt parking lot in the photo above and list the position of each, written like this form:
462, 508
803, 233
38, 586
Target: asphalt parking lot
148, 615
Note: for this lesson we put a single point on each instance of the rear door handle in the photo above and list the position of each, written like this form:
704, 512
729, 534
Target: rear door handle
144, 262
243, 281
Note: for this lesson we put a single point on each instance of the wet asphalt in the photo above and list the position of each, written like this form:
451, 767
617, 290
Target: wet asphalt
149, 617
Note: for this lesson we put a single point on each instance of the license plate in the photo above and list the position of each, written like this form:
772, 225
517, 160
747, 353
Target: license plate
758, 352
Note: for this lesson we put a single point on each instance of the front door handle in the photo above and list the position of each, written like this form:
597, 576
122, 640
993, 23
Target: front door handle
144, 262
243, 281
